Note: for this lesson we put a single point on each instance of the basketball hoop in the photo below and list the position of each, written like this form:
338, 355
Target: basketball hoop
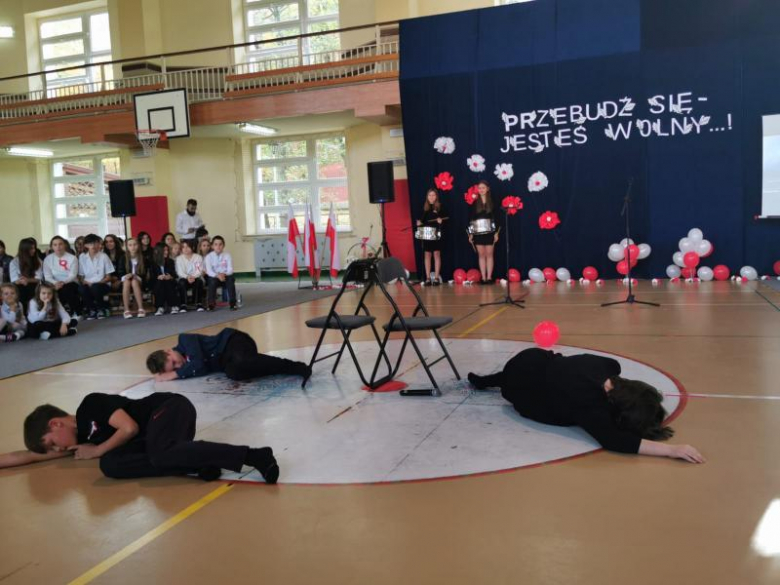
149, 139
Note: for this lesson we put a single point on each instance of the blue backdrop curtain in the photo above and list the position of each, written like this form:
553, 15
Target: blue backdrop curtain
461, 71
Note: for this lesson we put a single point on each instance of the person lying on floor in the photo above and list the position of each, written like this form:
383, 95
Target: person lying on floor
230, 351
586, 390
149, 437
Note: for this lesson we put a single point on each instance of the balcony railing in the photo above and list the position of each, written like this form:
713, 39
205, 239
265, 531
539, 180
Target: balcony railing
372, 61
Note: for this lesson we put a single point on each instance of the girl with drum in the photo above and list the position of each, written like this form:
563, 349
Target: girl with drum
429, 232
482, 230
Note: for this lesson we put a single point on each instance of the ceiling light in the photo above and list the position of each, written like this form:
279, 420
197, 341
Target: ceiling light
6, 32
255, 129
24, 151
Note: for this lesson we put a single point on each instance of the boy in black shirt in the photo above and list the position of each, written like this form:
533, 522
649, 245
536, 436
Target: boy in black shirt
149, 437
586, 390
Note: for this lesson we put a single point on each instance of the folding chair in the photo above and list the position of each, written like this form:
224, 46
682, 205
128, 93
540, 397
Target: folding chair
391, 269
360, 271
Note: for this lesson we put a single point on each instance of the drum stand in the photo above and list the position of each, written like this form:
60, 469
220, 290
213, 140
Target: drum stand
507, 300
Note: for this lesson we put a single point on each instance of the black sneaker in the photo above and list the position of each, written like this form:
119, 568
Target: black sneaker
91, 316
264, 461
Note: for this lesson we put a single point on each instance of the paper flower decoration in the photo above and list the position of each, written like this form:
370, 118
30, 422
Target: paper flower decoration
471, 195
476, 163
444, 145
443, 181
512, 204
504, 171
548, 220
538, 182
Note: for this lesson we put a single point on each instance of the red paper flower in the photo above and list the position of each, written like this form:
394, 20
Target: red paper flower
548, 220
512, 204
443, 181
471, 195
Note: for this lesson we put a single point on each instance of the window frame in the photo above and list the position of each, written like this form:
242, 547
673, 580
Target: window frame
314, 183
88, 56
100, 197
304, 24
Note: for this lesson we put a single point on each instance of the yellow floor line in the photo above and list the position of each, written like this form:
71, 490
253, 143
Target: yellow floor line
135, 546
481, 323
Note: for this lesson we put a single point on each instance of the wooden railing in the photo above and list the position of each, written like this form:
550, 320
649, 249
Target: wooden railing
374, 61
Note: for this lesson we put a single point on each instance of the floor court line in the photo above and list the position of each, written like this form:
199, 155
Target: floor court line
735, 396
90, 374
153, 534
481, 323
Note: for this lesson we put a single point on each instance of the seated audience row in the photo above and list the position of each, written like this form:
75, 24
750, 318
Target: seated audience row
45, 296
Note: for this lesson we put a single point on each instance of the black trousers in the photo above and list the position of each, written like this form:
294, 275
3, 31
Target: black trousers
35, 329
197, 290
70, 298
168, 448
240, 360
94, 295
26, 294
165, 293
229, 285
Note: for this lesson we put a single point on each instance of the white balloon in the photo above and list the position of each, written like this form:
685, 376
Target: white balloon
536, 275
616, 252
563, 275
677, 258
703, 248
673, 271
644, 251
626, 242
705, 273
687, 245
748, 272
696, 235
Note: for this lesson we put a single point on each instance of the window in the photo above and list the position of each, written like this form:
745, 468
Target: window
80, 194
75, 39
273, 19
301, 170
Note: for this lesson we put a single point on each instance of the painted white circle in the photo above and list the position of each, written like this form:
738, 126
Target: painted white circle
333, 432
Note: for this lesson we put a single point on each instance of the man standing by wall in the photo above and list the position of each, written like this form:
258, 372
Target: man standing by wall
188, 221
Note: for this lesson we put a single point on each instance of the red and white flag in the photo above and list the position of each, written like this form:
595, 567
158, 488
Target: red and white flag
310, 246
332, 234
292, 242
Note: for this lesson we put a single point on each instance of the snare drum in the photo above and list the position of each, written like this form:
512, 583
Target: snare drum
482, 226
427, 233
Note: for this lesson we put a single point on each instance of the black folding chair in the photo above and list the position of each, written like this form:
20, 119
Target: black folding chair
391, 269
359, 271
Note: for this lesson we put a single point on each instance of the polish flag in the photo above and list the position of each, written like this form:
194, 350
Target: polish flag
292, 242
332, 235
310, 246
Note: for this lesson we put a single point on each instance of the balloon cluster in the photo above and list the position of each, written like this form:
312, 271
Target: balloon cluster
460, 276
549, 275
692, 249
627, 253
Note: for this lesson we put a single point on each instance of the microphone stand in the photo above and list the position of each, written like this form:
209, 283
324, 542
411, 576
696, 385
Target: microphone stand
507, 300
630, 299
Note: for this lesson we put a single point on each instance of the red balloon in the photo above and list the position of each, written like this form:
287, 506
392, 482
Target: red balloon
777, 268
513, 275
546, 334
633, 250
721, 272
622, 267
459, 276
691, 259
634, 261
474, 275
688, 272
549, 273
590, 273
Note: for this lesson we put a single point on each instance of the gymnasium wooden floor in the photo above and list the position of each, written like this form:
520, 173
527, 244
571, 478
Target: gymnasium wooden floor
598, 519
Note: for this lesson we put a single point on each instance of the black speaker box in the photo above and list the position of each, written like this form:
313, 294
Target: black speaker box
380, 182
122, 195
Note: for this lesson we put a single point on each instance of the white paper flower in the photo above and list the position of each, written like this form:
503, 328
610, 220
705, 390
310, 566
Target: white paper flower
504, 171
538, 182
476, 163
444, 145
